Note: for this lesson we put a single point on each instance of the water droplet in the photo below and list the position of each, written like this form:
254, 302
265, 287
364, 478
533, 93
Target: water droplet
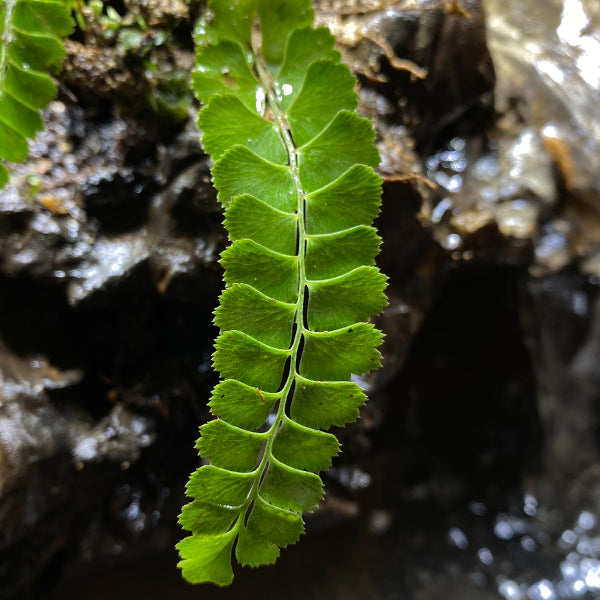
458, 143
590, 569
503, 529
380, 521
528, 544
510, 590
440, 209
542, 590
453, 241
485, 556
86, 449
530, 505
360, 479
458, 538
486, 168
586, 519
478, 508
260, 101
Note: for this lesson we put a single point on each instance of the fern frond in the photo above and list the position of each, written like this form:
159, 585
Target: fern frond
30, 48
293, 166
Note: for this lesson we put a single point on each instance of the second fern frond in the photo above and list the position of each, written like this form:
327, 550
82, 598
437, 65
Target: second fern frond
30, 48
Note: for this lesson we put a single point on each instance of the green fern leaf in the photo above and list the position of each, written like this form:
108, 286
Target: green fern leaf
30, 48
293, 166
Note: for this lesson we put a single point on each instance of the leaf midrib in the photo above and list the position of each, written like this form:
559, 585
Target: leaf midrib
268, 86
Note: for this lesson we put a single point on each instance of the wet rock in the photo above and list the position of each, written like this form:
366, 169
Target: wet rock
105, 66
417, 54
110, 260
30, 429
490, 199
548, 77
106, 218
41, 441
563, 333
34, 457
549, 74
118, 437
64, 454
118, 201
127, 56
104, 193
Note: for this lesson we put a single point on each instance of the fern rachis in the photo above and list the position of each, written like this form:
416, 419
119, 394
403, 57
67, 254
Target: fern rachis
293, 167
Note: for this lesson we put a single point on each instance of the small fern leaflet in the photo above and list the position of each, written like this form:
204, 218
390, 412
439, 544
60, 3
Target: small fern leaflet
30, 48
293, 166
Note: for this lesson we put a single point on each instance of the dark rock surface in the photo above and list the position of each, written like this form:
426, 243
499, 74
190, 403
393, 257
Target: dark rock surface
474, 472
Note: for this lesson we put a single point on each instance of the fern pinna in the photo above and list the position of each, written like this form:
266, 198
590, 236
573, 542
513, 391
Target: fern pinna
30, 48
293, 169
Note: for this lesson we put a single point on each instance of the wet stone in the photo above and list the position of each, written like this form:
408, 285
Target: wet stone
409, 52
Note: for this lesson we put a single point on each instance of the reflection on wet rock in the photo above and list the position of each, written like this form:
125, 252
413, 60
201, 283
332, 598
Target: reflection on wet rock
507, 184
31, 430
551, 69
562, 326
119, 437
110, 259
418, 51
